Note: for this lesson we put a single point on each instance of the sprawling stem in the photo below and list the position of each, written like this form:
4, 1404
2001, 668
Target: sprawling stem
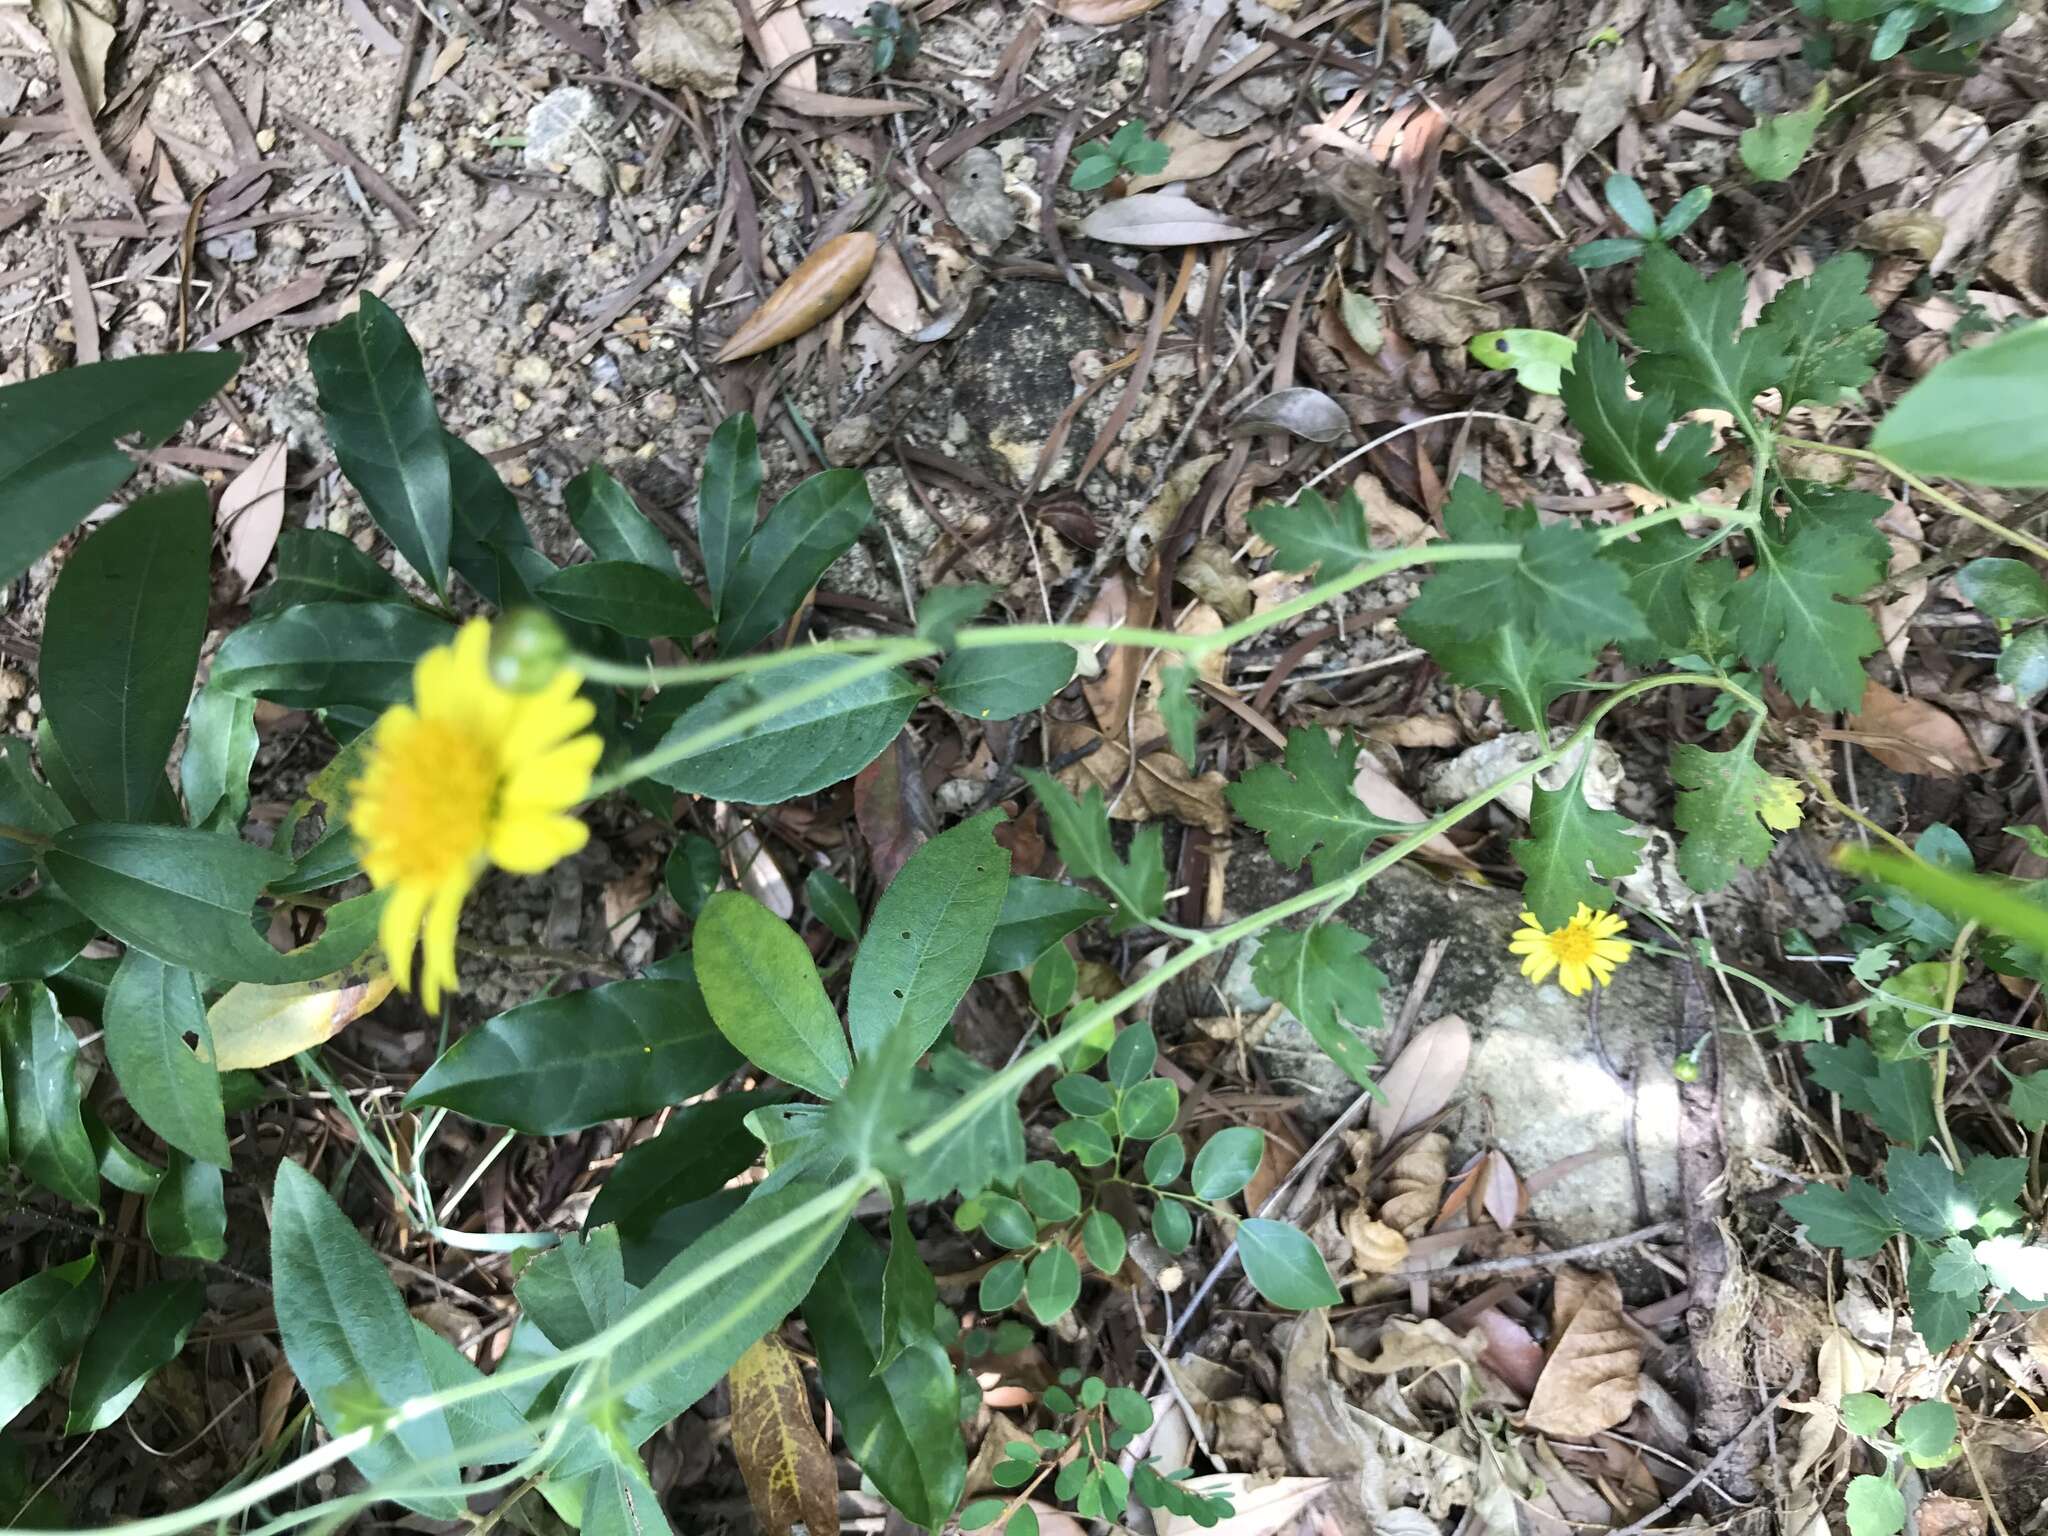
1942, 499
1952, 986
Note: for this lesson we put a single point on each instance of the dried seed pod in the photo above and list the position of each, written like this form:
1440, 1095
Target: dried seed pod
822, 282
1415, 1185
1376, 1248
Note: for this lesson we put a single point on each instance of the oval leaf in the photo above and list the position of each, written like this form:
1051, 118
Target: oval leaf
43, 1321
320, 655
1284, 1266
1035, 915
120, 645
788, 1471
1004, 681
1978, 416
40, 934
765, 996
1423, 1077
188, 1214
813, 293
1158, 218
627, 599
315, 566
1305, 413
150, 1009
1227, 1162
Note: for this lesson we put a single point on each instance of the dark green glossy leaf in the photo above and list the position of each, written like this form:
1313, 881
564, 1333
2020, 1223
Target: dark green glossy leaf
1148, 1110
1227, 1162
188, 1214
1565, 836
692, 873
1102, 1236
26, 802
1052, 1193
59, 457
789, 752
764, 994
385, 432
832, 904
910, 1296
560, 1064
1696, 350
1172, 1227
489, 545
320, 655
1165, 1159
186, 897
150, 1009
40, 934
220, 749
1001, 1285
1856, 1220
117, 1162
43, 1322
928, 937
805, 532
314, 566
628, 599
728, 501
1085, 1142
350, 1341
1035, 915
699, 1149
1828, 327
605, 514
943, 609
902, 1421
140, 1333
120, 644
1003, 682
39, 1078
1624, 435
1284, 1266
1132, 1055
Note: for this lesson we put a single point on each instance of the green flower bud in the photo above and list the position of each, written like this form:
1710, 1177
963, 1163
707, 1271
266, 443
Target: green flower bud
527, 648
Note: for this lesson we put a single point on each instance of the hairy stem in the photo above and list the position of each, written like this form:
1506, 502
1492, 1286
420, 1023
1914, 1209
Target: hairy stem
1942, 499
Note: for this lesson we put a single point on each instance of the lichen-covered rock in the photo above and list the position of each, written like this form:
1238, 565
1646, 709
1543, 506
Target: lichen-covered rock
1012, 374
1536, 1087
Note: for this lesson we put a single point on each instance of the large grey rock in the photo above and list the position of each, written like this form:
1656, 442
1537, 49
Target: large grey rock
1536, 1087
1012, 374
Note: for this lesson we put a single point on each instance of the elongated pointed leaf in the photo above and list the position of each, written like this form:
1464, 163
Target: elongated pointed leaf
141, 1333
926, 943
59, 457
43, 1322
728, 501
350, 1341
38, 1075
765, 996
1035, 914
808, 529
386, 433
321, 655
628, 599
315, 566
120, 645
40, 934
188, 1214
604, 513
149, 1011
563, 1063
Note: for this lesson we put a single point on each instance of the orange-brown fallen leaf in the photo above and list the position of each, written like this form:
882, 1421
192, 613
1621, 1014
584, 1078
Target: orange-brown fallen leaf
812, 294
1911, 736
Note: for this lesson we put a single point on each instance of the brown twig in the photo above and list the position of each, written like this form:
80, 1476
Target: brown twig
1637, 1527
1523, 1262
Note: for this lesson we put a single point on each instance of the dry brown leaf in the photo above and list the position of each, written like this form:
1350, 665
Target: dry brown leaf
84, 30
1158, 219
1208, 571
1390, 522
277, 1401
1383, 797
977, 199
1895, 619
693, 44
1590, 1382
1102, 13
1416, 731
891, 296
1300, 412
1376, 1248
1942, 1514
1499, 1192
1912, 736
1423, 1079
1598, 89
1846, 1368
1510, 1353
252, 512
1415, 1185
813, 293
783, 36
789, 1473
1162, 786
258, 1026
1190, 156
1283, 1151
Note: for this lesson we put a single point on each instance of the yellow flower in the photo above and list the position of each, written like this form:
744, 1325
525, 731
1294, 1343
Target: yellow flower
1583, 951
1779, 804
468, 775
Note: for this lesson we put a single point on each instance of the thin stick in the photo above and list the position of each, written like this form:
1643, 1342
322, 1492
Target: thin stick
1637, 1528
1524, 1262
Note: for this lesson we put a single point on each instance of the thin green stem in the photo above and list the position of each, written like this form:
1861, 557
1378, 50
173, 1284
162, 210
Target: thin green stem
1942, 499
1948, 1002
1729, 517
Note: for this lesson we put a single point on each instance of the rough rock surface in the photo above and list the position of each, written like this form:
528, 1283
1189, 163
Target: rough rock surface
1013, 374
1536, 1087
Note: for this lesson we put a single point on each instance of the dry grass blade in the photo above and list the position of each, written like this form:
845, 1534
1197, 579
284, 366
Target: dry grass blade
1103, 13
813, 293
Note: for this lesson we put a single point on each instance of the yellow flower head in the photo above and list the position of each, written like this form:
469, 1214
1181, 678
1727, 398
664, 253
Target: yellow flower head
468, 775
1583, 951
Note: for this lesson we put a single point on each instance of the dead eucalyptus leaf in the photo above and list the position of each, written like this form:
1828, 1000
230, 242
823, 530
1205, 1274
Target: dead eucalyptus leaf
1912, 736
788, 1471
1424, 1077
1163, 785
1159, 218
784, 34
891, 296
258, 1026
1102, 13
252, 512
694, 45
1598, 89
812, 294
1305, 413
1590, 1382
1208, 571
1379, 793
1190, 156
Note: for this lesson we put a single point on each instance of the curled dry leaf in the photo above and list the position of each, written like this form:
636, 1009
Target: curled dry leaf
693, 44
1208, 571
1423, 1078
1845, 1368
813, 293
1912, 736
1159, 218
1376, 1248
1590, 1381
1415, 1185
259, 1026
1383, 797
1102, 13
788, 1471
1305, 413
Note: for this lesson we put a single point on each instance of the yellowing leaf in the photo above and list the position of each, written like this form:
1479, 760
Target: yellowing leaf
789, 1473
813, 293
257, 1026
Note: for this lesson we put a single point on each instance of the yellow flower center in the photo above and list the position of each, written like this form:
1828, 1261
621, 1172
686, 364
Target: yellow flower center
1573, 944
431, 797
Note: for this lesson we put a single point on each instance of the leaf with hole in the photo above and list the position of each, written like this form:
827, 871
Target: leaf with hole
150, 1009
